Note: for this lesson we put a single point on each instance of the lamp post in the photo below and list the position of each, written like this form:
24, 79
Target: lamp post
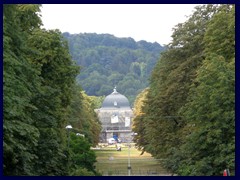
68, 127
129, 162
129, 165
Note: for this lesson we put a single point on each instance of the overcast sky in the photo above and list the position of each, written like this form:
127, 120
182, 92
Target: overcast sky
149, 22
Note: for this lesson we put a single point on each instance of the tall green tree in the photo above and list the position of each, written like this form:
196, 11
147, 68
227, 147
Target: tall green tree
211, 109
170, 83
82, 117
38, 79
139, 121
166, 125
81, 155
57, 72
20, 82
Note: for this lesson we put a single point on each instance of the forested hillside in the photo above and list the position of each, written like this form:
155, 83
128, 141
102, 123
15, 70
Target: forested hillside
188, 113
108, 61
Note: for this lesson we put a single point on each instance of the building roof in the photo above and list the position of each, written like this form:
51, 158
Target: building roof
115, 100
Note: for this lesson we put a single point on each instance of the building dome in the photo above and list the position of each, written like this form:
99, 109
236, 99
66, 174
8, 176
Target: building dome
115, 100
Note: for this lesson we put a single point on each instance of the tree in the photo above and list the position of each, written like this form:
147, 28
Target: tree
166, 125
82, 117
106, 60
39, 84
139, 120
20, 82
211, 106
81, 154
170, 83
57, 72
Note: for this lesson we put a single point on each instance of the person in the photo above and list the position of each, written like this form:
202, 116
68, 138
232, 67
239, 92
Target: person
118, 147
119, 140
226, 172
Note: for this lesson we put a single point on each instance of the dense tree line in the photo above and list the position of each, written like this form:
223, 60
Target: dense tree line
39, 86
81, 115
108, 61
188, 117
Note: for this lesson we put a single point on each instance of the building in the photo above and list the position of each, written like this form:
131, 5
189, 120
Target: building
116, 117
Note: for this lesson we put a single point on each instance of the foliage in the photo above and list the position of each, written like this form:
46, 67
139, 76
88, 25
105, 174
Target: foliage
188, 118
81, 116
81, 157
96, 101
57, 79
82, 172
138, 121
38, 84
108, 61
20, 135
211, 107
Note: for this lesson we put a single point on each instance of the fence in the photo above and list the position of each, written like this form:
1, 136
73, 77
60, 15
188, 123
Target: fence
150, 172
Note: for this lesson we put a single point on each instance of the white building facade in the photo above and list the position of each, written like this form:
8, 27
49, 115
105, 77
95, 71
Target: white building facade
116, 117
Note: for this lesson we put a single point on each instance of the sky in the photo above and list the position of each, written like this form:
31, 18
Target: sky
149, 22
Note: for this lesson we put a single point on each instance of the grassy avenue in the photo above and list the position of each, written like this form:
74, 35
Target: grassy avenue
111, 162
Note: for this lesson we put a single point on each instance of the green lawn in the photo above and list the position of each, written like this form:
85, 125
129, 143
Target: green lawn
113, 162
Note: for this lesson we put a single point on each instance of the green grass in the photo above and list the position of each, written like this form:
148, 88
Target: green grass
113, 162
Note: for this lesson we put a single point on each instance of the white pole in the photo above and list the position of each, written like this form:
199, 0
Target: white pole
68, 138
129, 165
68, 127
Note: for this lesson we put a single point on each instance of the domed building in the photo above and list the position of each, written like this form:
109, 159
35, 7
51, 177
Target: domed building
116, 117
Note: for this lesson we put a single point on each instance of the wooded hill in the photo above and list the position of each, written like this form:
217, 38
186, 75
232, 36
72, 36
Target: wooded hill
108, 61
